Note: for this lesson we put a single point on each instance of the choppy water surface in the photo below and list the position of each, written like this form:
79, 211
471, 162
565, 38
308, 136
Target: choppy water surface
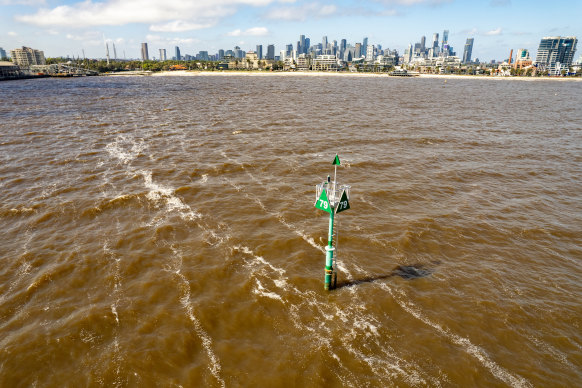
161, 232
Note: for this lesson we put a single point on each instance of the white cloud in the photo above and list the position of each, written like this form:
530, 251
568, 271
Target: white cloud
181, 26
494, 32
164, 41
255, 31
302, 12
168, 16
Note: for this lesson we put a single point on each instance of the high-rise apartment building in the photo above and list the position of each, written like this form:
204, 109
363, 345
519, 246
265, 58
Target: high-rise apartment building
144, 52
271, 52
324, 44
435, 44
26, 57
177, 54
445, 40
358, 50
3, 53
468, 50
163, 56
370, 53
259, 51
221, 54
556, 53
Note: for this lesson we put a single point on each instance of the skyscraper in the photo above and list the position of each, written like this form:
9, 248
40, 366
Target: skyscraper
271, 52
221, 54
307, 44
178, 56
2, 53
556, 53
144, 52
468, 50
302, 48
364, 45
324, 45
435, 44
358, 50
422, 44
445, 39
163, 56
260, 51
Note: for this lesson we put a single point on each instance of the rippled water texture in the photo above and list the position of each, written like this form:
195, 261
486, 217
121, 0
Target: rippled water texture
160, 231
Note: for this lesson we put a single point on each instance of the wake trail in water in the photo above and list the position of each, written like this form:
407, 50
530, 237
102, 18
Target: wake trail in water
215, 366
473, 350
165, 195
116, 295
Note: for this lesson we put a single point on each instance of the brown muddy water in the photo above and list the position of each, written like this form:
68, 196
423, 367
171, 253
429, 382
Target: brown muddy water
160, 231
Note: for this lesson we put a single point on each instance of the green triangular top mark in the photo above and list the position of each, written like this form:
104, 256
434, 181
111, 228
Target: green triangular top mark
343, 204
323, 203
336, 161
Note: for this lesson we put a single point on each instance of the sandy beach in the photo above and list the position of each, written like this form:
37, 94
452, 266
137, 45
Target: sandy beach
222, 73
190, 73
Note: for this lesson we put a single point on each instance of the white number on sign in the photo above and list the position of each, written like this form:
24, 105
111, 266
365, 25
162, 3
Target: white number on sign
323, 203
343, 205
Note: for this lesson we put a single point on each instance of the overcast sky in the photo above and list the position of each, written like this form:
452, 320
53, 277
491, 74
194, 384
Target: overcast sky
66, 27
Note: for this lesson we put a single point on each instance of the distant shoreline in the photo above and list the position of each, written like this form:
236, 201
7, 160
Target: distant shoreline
195, 73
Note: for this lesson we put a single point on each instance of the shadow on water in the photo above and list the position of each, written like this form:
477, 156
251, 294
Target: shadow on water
408, 272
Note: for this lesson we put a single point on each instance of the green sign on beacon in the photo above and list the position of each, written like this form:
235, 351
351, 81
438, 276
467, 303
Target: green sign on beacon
332, 207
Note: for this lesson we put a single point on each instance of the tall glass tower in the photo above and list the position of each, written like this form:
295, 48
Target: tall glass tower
144, 52
468, 50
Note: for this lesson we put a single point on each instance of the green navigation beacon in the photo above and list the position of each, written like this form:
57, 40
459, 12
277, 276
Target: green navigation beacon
333, 198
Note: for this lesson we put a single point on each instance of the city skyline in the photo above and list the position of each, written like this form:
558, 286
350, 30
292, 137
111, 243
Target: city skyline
66, 28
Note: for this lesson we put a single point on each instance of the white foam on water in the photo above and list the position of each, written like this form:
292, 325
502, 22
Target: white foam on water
159, 193
262, 291
204, 178
474, 350
260, 260
120, 150
215, 366
555, 353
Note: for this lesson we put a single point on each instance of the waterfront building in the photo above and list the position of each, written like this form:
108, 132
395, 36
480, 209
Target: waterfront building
556, 53
144, 52
271, 52
178, 56
163, 56
468, 50
304, 62
27, 56
251, 60
2, 54
259, 51
9, 70
326, 63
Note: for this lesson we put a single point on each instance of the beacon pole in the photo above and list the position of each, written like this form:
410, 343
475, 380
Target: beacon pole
327, 200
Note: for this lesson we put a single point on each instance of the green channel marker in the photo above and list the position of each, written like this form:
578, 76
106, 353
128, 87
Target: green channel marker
327, 201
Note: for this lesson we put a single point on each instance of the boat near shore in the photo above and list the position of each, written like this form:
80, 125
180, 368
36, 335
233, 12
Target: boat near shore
403, 73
